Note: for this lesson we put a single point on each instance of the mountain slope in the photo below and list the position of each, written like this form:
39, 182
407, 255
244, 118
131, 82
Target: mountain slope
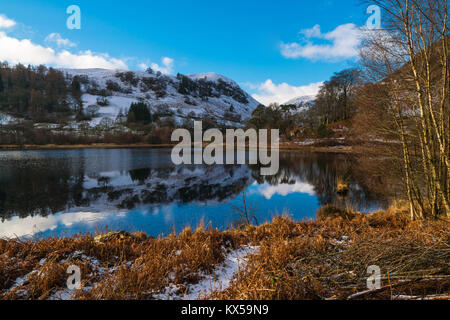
191, 96
300, 100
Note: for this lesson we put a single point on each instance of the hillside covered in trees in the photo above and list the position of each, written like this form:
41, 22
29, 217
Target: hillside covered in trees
37, 93
40, 105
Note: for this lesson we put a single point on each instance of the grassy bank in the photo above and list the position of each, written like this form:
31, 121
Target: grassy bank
322, 259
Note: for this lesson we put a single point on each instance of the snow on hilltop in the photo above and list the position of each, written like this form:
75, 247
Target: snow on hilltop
190, 96
301, 100
214, 77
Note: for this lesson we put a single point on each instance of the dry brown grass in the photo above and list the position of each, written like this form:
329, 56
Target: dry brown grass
330, 211
329, 258
322, 259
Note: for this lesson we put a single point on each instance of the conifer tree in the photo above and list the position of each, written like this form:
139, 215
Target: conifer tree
139, 112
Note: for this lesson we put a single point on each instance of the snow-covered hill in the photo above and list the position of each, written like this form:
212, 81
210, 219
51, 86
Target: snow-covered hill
191, 96
300, 100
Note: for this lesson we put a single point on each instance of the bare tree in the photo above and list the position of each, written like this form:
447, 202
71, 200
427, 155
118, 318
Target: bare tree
407, 65
334, 101
245, 210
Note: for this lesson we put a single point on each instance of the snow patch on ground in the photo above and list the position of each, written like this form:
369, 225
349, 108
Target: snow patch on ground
98, 269
307, 142
21, 280
235, 261
220, 280
116, 104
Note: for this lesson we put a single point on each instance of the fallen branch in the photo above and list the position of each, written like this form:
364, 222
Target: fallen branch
398, 284
367, 292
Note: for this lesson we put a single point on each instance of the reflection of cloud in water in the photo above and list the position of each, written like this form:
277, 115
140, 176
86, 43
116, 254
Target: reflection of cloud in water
98, 216
29, 226
168, 215
139, 188
268, 191
33, 225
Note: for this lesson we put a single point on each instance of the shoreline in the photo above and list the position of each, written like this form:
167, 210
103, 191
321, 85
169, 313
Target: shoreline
283, 259
285, 148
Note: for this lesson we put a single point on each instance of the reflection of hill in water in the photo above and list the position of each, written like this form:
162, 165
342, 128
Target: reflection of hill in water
49, 192
182, 184
45, 183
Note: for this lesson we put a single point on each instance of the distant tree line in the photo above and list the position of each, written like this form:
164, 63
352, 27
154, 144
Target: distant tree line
37, 93
275, 116
336, 98
336, 101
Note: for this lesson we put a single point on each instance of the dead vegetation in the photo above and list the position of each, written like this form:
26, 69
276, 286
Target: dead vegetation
323, 259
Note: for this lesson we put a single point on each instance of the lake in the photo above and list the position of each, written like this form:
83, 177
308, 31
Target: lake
66, 192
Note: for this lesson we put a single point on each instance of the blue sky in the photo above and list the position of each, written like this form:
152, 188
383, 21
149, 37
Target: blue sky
274, 49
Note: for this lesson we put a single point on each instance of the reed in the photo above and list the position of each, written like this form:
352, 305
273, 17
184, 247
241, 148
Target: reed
326, 258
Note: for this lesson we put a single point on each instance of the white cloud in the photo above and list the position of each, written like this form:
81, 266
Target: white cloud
5, 22
167, 66
269, 92
26, 52
341, 43
143, 66
61, 42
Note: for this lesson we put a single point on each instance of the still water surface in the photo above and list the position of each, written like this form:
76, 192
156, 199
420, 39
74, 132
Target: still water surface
65, 192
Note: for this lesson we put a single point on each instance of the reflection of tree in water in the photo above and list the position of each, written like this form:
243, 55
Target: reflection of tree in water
47, 186
323, 171
193, 188
140, 175
39, 187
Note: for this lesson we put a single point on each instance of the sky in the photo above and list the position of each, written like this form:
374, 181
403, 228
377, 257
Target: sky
276, 50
